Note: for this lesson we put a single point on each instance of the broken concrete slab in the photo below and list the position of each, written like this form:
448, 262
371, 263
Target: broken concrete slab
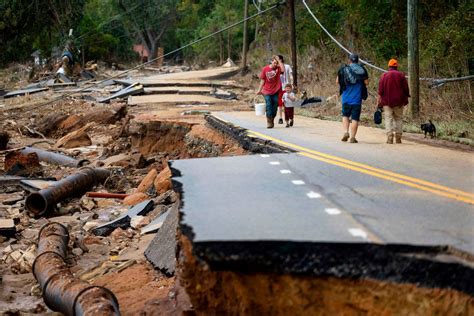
130, 90
53, 84
179, 90
148, 82
63, 78
7, 227
223, 94
10, 199
16, 93
124, 220
174, 98
36, 185
155, 224
161, 251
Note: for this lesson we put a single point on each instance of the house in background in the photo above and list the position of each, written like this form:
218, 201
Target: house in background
142, 52
145, 54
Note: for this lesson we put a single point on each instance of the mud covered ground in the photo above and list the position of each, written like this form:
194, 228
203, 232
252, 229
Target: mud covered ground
132, 142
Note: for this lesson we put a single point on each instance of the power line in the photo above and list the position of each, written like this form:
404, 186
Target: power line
163, 56
436, 82
336, 41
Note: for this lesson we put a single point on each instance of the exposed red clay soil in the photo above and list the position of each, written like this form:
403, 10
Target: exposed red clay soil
141, 290
181, 140
232, 293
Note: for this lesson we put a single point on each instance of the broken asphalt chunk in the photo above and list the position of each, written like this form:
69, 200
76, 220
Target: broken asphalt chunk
124, 221
162, 249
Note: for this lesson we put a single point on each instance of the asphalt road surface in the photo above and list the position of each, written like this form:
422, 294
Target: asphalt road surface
330, 191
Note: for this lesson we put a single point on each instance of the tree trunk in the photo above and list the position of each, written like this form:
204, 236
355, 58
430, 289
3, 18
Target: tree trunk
221, 49
153, 52
413, 58
229, 38
245, 38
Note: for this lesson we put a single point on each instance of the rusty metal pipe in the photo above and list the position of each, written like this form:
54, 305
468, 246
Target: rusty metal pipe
55, 158
53, 237
62, 292
106, 195
75, 185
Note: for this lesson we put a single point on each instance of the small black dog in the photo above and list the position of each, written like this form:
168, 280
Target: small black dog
429, 128
309, 100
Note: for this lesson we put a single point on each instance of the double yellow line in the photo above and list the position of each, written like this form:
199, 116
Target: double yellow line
376, 172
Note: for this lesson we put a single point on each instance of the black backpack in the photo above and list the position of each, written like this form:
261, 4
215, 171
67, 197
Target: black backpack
378, 116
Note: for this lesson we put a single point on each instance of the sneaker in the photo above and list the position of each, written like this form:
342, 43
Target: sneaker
345, 137
287, 125
353, 140
291, 122
280, 121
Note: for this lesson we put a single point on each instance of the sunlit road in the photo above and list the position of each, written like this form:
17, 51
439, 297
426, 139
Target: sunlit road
371, 191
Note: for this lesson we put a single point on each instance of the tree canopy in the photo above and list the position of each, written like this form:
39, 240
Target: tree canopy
106, 29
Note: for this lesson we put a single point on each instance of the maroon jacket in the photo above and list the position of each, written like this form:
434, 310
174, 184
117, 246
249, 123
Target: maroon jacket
393, 88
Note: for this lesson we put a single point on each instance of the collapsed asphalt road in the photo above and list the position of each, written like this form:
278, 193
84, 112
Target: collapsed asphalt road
234, 229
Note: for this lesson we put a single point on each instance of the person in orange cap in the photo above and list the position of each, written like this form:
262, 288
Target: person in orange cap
393, 96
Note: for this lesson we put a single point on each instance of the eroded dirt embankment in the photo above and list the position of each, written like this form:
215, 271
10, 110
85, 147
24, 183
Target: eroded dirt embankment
234, 293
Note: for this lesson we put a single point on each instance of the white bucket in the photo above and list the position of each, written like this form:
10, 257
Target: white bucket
259, 109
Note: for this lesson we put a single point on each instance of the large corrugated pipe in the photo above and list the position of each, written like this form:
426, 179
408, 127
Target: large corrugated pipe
55, 158
62, 292
75, 185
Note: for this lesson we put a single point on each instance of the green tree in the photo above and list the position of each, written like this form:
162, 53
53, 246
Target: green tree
26, 25
150, 22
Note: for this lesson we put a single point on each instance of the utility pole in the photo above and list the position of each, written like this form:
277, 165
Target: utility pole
243, 66
291, 10
413, 58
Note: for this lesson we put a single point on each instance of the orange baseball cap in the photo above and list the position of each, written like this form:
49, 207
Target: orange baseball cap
393, 63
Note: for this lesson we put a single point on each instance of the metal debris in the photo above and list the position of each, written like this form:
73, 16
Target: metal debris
75, 185
124, 221
62, 292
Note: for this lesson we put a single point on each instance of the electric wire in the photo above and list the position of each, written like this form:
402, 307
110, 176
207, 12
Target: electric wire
436, 82
337, 42
161, 57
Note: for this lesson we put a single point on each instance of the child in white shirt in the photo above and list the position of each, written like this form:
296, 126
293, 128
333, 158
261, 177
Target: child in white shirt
290, 101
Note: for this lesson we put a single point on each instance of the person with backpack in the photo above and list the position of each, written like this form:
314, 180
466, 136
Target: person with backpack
352, 80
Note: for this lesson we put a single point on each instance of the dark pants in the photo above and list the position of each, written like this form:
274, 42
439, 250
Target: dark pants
271, 102
289, 113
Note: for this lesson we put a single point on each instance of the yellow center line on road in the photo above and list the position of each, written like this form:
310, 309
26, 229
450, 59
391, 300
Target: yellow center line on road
376, 172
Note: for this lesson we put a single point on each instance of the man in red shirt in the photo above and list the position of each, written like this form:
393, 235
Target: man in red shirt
393, 95
270, 86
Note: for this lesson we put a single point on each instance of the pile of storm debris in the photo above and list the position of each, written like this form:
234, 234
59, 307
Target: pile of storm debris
83, 187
